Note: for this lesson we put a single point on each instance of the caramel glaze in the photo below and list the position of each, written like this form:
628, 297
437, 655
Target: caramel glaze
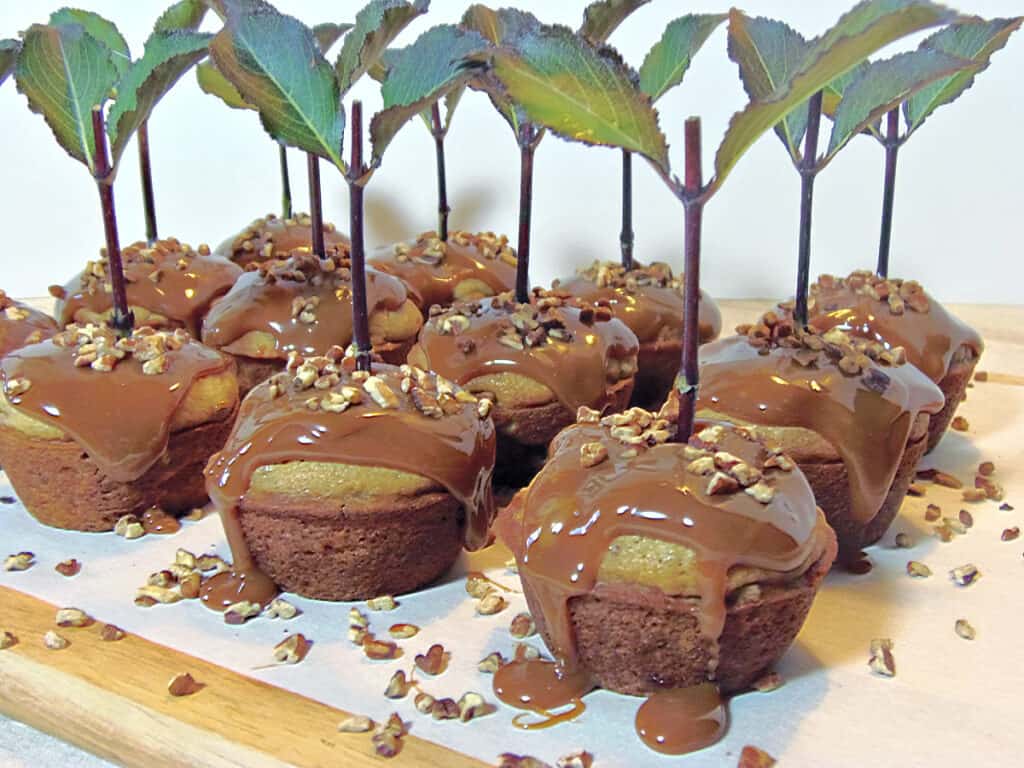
432, 270
863, 407
21, 325
303, 302
565, 348
120, 416
425, 427
647, 299
860, 304
682, 720
168, 279
274, 238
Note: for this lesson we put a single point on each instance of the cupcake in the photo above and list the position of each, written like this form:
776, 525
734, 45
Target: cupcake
93, 427
899, 313
650, 301
303, 304
21, 325
274, 238
341, 485
168, 285
650, 565
851, 412
468, 267
536, 362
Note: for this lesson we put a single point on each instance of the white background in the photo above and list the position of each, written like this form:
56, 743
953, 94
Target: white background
958, 197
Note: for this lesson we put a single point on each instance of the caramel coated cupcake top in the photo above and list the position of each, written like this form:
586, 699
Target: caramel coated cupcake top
21, 325
271, 237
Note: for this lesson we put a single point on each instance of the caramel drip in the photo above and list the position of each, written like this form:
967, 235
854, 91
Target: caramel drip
678, 721
275, 238
21, 325
868, 429
456, 451
541, 686
157, 521
574, 369
653, 312
561, 526
257, 303
431, 279
930, 338
122, 417
168, 279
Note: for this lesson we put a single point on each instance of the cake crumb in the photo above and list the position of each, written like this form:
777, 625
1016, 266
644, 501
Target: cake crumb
882, 661
755, 757
964, 629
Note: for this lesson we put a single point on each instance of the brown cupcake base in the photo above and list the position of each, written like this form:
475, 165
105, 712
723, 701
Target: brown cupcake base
637, 640
61, 486
953, 386
328, 551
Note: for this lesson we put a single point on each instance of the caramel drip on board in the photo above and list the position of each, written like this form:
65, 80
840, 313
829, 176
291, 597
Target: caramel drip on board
867, 428
541, 687
678, 721
574, 368
431, 270
21, 325
268, 305
274, 238
455, 450
122, 417
168, 279
930, 338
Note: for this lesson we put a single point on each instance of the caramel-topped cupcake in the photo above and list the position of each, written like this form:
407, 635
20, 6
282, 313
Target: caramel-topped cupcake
304, 304
537, 362
275, 238
341, 484
851, 412
94, 427
468, 267
650, 301
169, 285
651, 566
899, 313
21, 325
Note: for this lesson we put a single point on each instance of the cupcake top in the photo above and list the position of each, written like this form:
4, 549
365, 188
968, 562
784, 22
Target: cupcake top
893, 312
576, 355
271, 237
618, 504
168, 285
467, 267
320, 409
857, 394
119, 398
647, 299
304, 304
21, 325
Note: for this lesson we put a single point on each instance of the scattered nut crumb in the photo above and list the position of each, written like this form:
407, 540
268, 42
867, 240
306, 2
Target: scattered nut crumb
110, 633
986, 468
473, 705
1004, 507
755, 757
955, 525
403, 631
281, 609
992, 489
965, 575
903, 541
382, 603
974, 494
478, 585
398, 686
960, 424
55, 642
526, 652
981, 375
70, 567
355, 724
491, 663
151, 595
19, 562
915, 490
882, 661
129, 527
292, 649
241, 612
859, 565
522, 626
947, 480
964, 629
1009, 534
578, 759
183, 685
918, 570
445, 709
768, 682
508, 760
434, 661
423, 702
72, 617
491, 604
380, 650
7, 640
932, 513
966, 518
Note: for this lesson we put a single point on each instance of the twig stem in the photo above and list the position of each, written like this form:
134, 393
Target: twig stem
437, 129
892, 148
146, 174
286, 184
122, 321
360, 313
626, 235
527, 145
689, 375
808, 171
316, 206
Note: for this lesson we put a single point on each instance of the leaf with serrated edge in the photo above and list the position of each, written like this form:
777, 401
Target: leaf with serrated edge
767, 53
603, 17
581, 93
377, 24
420, 74
974, 39
274, 62
884, 85
168, 56
666, 63
211, 81
836, 52
8, 56
186, 14
833, 92
101, 29
65, 72
328, 33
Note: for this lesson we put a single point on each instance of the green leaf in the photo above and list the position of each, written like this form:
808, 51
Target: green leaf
667, 62
974, 39
768, 53
869, 26
168, 56
102, 30
211, 81
186, 14
580, 92
603, 17
8, 56
833, 92
421, 73
884, 85
65, 72
275, 64
328, 33
376, 26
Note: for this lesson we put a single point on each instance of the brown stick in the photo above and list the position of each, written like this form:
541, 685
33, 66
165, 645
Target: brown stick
146, 174
443, 209
316, 206
360, 313
688, 380
526, 148
122, 320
